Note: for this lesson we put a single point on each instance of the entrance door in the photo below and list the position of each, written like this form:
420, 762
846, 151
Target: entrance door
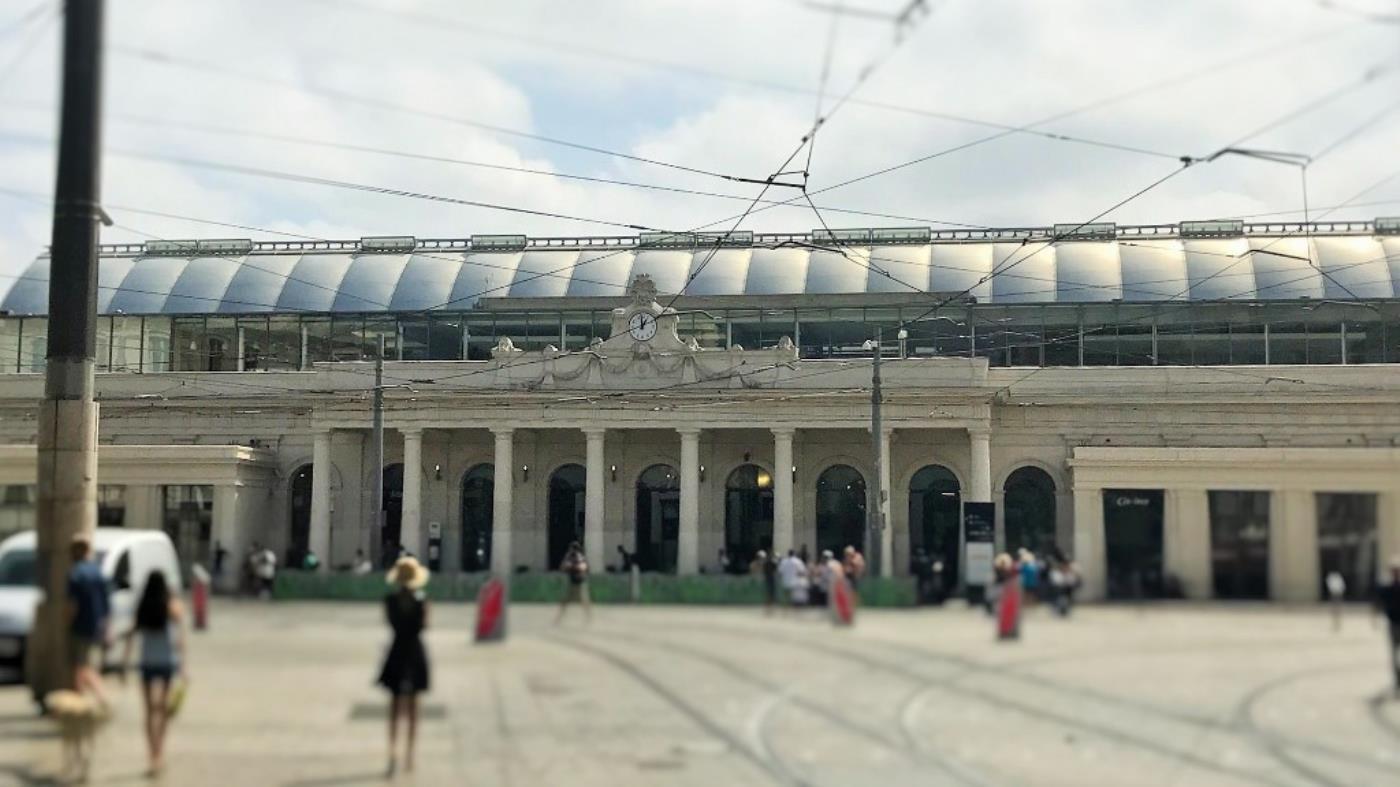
935, 510
392, 536
1133, 538
1239, 544
566, 508
658, 523
299, 538
478, 511
840, 509
1346, 540
748, 514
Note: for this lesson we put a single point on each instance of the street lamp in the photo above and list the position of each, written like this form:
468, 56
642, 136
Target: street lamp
875, 491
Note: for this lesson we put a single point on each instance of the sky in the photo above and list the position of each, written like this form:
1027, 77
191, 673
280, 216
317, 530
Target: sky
223, 110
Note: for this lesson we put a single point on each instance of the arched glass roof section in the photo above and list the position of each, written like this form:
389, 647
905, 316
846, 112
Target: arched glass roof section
1086, 272
1031, 280
426, 281
719, 271
1392, 259
1285, 268
777, 272
483, 275
30, 292
601, 273
1153, 270
957, 266
1219, 269
201, 286
258, 284
369, 283
147, 286
543, 274
907, 267
1355, 268
314, 283
837, 270
666, 268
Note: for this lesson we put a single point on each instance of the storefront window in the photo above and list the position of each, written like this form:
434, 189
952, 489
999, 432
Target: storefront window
1347, 541
1239, 544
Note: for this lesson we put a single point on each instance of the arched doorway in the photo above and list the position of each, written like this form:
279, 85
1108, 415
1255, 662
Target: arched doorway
840, 509
1030, 511
748, 513
299, 537
935, 514
566, 491
478, 510
658, 519
391, 538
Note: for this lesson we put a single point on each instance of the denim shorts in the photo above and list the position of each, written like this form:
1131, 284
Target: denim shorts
150, 674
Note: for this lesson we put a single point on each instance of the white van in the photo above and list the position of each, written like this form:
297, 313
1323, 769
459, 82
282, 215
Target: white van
127, 558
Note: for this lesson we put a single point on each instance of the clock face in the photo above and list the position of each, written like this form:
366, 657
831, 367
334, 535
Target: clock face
642, 326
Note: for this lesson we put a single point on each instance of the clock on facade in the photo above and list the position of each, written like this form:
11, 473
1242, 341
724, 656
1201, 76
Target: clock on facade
642, 326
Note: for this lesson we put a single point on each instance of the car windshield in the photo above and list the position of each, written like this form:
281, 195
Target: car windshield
17, 568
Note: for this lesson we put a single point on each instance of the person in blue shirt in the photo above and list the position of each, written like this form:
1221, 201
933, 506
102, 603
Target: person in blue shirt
91, 607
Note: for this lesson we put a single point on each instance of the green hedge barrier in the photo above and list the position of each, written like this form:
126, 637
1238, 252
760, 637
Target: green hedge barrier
549, 588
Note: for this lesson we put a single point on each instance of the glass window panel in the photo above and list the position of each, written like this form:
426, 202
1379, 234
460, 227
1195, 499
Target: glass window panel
778, 323
104, 343
1246, 344
1288, 343
17, 505
1365, 342
9, 344
221, 344
1100, 345
1211, 344
1392, 342
283, 343
252, 332
708, 329
480, 332
745, 327
34, 344
445, 338
188, 518
157, 344
1347, 540
1135, 344
346, 333
1025, 341
1325, 342
318, 339
126, 343
111, 505
515, 326
815, 333
376, 327
187, 335
578, 330
544, 330
415, 333
846, 334
1061, 345
1174, 342
1239, 544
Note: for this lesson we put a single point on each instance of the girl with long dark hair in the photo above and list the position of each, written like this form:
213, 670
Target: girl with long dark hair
405, 671
158, 625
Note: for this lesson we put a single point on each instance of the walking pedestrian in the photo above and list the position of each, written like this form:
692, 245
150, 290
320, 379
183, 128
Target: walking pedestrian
820, 572
853, 567
220, 558
1063, 581
361, 566
405, 673
1388, 602
625, 559
265, 571
1030, 574
160, 626
575, 568
92, 606
1336, 591
764, 566
793, 573
1009, 598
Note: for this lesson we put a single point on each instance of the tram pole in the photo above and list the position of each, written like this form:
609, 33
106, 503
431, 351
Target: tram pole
67, 428
875, 511
376, 501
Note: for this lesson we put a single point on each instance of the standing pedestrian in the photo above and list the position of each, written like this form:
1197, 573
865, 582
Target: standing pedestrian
575, 568
1009, 599
405, 673
220, 558
159, 625
91, 612
853, 567
764, 566
722, 562
1063, 580
361, 566
625, 559
1030, 574
1388, 601
820, 573
793, 573
265, 571
1336, 591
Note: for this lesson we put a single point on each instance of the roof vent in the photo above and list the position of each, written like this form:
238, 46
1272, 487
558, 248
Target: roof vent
827, 237
229, 246
731, 238
1212, 229
171, 247
901, 234
389, 244
498, 242
1388, 226
666, 240
1101, 231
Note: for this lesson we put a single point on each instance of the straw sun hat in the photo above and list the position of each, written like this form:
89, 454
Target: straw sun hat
408, 572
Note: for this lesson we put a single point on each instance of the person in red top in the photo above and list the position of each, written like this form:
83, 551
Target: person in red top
853, 564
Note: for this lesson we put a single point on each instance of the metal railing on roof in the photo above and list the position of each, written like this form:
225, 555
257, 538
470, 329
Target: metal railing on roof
1102, 232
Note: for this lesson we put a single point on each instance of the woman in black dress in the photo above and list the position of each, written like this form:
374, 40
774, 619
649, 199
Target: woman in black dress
405, 672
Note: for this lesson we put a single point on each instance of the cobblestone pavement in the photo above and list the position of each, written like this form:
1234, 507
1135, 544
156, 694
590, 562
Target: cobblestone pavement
1172, 695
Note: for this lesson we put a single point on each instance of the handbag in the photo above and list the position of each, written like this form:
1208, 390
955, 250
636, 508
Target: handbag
176, 697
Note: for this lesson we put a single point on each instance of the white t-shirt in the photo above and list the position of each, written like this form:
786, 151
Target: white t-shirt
265, 564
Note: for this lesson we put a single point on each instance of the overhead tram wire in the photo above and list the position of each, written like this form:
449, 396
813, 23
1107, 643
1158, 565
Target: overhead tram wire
28, 17
13, 64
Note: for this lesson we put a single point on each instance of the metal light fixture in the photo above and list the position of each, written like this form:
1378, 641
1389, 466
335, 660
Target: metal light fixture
524, 473
702, 473
437, 472
613, 469
794, 474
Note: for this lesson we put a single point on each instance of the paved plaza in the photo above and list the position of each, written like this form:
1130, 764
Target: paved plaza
1166, 695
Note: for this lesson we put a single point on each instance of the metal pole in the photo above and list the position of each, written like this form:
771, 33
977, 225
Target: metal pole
875, 511
67, 429
376, 501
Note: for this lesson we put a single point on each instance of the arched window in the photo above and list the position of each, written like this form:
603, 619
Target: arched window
299, 536
566, 491
658, 518
478, 509
840, 509
748, 513
935, 518
1030, 510
392, 537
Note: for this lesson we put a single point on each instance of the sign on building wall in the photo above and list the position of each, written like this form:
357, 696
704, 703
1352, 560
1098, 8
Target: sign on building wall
979, 533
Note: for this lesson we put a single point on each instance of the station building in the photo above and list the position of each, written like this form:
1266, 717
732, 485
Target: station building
1206, 409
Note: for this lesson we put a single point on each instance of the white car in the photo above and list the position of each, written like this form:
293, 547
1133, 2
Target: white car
127, 559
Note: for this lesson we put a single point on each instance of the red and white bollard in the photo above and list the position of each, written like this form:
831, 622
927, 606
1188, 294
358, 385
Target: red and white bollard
199, 596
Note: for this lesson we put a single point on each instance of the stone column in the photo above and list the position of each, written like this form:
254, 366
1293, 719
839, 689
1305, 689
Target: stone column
887, 531
688, 551
1293, 559
1186, 541
782, 490
980, 486
411, 533
1089, 551
320, 498
502, 501
593, 511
